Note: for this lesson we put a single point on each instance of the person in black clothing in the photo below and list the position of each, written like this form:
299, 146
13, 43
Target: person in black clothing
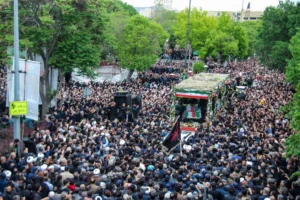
179, 109
233, 146
238, 80
128, 150
9, 192
135, 111
35, 194
112, 111
30, 144
230, 195
44, 190
68, 76
122, 112
215, 193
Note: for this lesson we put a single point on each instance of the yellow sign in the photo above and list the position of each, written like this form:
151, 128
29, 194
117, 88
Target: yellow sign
17, 108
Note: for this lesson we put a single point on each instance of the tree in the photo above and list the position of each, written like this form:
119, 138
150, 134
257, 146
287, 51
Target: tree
114, 6
200, 27
118, 14
292, 145
65, 33
292, 111
241, 36
172, 41
279, 55
278, 27
228, 38
252, 29
141, 44
198, 67
225, 44
164, 16
114, 33
293, 69
129, 9
211, 35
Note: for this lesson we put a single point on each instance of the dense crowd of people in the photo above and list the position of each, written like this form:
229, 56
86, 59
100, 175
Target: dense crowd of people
3, 115
90, 149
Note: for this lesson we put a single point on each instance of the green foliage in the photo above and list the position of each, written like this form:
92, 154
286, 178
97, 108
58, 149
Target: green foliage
115, 6
240, 34
229, 38
141, 43
211, 35
76, 51
51, 93
295, 175
292, 110
200, 27
172, 41
164, 17
117, 18
278, 27
129, 9
113, 33
252, 28
279, 55
219, 41
293, 69
292, 146
65, 33
198, 67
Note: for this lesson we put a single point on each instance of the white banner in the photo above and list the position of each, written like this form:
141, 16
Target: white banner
32, 88
29, 86
11, 81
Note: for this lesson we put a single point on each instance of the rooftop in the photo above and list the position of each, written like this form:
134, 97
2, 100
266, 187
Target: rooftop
202, 82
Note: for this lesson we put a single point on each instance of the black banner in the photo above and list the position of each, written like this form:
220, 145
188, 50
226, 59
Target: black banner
174, 137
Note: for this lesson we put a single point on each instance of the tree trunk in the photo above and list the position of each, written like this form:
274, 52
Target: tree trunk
45, 87
45, 109
129, 74
29, 55
60, 78
45, 106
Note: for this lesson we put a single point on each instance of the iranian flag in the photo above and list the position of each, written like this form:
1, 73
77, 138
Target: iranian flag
192, 112
192, 95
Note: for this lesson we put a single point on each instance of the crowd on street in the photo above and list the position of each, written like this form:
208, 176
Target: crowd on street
2, 97
91, 150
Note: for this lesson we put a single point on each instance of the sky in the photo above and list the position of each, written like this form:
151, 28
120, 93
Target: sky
211, 5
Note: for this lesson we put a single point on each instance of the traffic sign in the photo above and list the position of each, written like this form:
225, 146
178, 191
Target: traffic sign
17, 108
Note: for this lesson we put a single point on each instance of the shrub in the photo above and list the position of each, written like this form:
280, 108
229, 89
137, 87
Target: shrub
198, 67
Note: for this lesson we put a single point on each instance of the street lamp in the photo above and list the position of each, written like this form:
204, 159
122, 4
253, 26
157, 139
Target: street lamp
16, 72
242, 11
187, 33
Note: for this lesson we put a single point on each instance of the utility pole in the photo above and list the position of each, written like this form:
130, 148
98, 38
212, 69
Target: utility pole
242, 11
187, 33
16, 72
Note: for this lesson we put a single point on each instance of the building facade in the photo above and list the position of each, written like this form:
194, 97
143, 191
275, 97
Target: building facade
247, 15
145, 11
